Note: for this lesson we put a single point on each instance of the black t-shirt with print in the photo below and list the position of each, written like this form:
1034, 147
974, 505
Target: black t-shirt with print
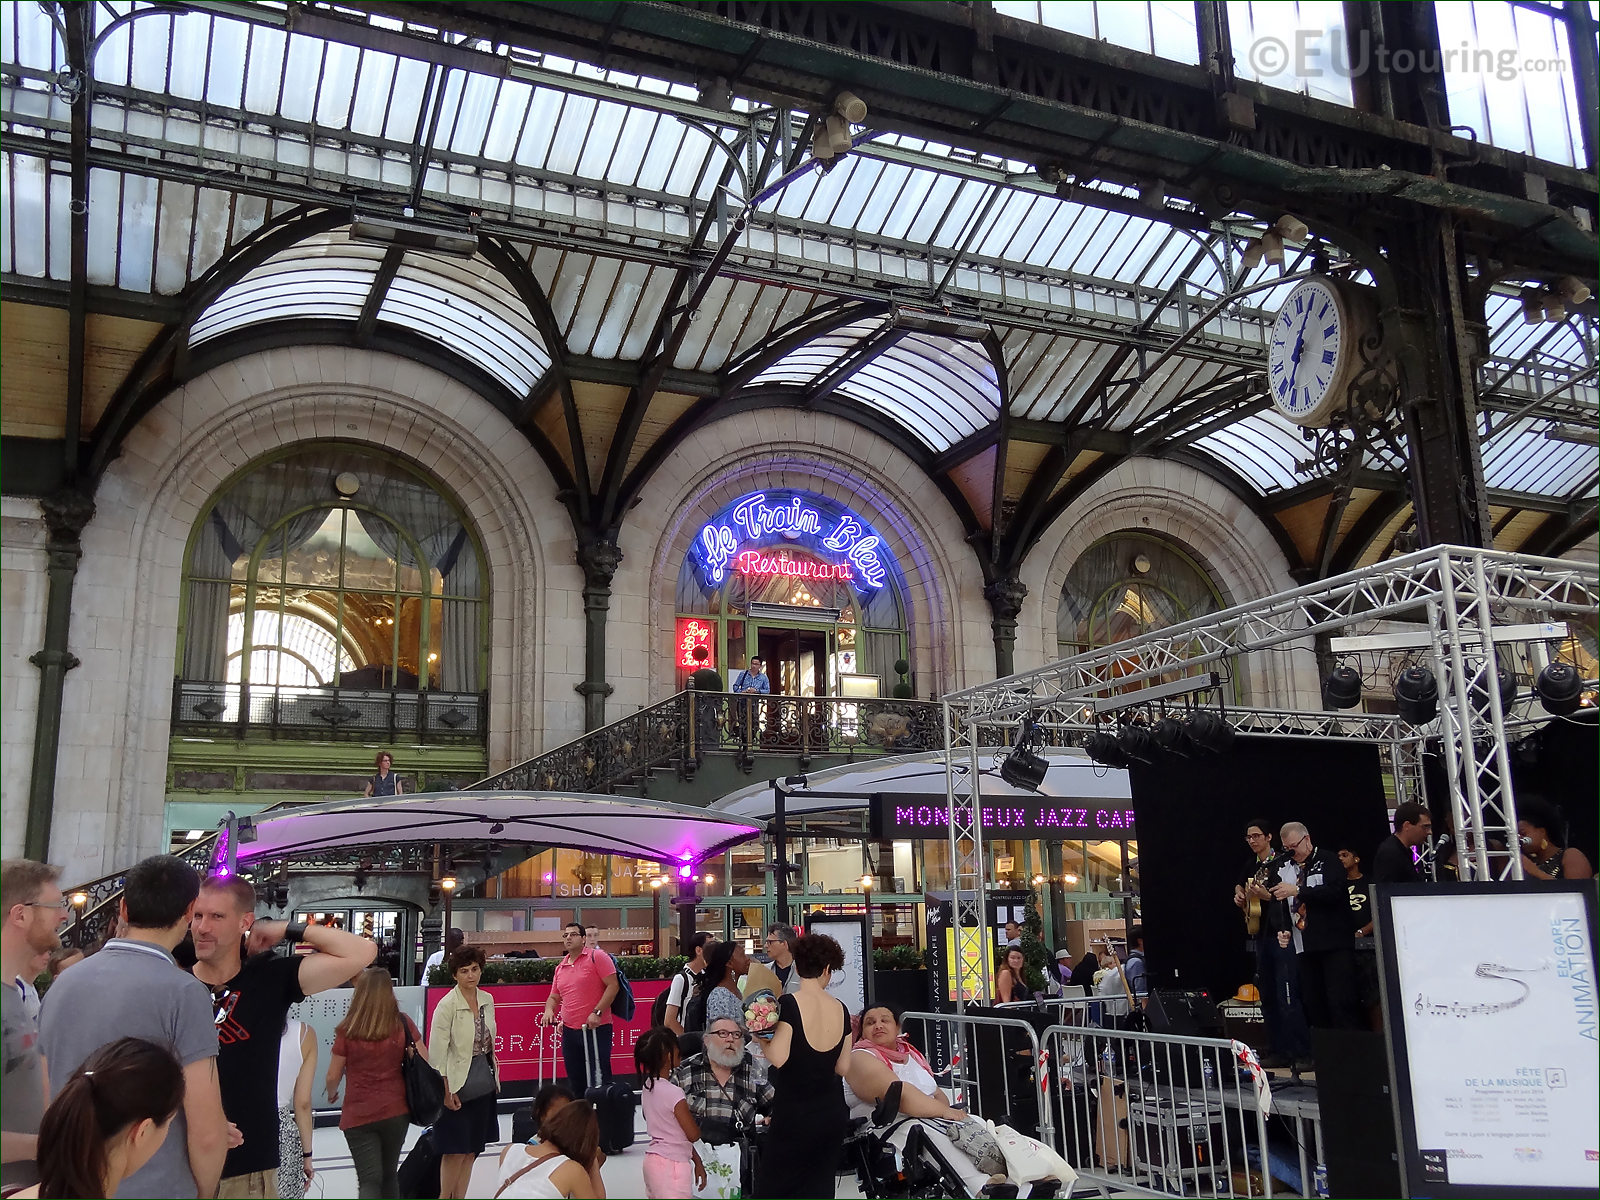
252, 1008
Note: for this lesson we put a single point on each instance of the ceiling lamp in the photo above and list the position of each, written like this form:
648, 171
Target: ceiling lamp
1559, 688
1210, 732
1416, 695
1104, 749
1024, 767
1342, 688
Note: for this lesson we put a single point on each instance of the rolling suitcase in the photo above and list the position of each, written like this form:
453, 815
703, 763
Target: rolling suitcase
523, 1126
613, 1102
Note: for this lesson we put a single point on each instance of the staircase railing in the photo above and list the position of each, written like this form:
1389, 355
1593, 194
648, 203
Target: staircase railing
603, 758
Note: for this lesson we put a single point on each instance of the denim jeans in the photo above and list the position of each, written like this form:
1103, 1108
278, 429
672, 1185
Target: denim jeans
1278, 978
375, 1150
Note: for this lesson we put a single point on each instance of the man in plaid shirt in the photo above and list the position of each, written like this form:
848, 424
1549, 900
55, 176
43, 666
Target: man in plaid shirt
724, 1085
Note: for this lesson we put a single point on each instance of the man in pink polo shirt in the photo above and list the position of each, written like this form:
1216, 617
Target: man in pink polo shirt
585, 985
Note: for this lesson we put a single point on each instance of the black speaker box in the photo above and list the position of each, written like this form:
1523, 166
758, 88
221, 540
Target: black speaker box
1354, 1095
1186, 1014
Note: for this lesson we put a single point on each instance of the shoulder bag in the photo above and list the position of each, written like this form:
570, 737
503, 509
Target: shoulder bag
424, 1086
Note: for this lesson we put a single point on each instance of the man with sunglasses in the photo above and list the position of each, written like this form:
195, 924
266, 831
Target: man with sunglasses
134, 988
1326, 940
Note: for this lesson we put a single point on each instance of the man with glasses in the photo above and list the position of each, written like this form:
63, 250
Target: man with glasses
1326, 938
724, 1086
134, 988
780, 946
1277, 972
585, 984
34, 911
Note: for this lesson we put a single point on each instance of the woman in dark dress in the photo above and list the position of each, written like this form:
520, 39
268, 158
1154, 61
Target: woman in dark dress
385, 782
809, 1052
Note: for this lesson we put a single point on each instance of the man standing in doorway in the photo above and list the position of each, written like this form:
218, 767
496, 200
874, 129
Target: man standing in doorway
1277, 973
33, 912
251, 997
1394, 862
753, 681
780, 945
585, 984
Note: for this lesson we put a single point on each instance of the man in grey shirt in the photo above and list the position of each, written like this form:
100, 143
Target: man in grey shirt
134, 988
32, 910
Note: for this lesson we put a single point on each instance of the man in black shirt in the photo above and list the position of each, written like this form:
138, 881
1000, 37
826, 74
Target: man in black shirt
1277, 974
251, 998
1394, 862
1326, 938
1366, 956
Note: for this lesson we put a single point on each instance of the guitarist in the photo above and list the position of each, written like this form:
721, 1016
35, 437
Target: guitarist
1277, 972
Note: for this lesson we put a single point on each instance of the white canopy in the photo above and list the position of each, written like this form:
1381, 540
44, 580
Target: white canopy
1072, 776
596, 824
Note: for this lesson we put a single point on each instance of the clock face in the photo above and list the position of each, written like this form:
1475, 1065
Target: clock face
1307, 358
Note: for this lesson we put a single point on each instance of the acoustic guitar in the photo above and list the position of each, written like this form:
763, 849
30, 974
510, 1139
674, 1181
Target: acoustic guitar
1252, 904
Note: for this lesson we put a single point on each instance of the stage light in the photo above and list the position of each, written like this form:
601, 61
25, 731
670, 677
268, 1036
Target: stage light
1169, 734
1342, 688
1559, 688
1210, 732
1416, 695
1024, 767
1136, 743
1505, 682
1103, 748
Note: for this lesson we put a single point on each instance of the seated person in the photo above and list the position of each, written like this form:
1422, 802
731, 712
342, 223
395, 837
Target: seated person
724, 1086
882, 1056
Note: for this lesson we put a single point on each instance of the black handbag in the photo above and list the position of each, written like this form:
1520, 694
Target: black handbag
479, 1080
424, 1085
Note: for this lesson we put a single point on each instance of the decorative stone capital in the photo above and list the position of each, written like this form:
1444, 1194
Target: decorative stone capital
599, 559
1005, 597
65, 514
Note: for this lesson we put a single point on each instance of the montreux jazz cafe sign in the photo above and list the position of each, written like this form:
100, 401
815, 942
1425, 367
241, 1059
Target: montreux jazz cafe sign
741, 541
908, 817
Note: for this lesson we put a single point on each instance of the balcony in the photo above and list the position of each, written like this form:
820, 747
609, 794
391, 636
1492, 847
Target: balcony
328, 713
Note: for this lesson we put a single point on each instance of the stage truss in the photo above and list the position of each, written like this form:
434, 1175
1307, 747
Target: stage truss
1456, 594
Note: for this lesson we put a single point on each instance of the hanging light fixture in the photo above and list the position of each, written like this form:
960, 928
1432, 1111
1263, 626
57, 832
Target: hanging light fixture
1416, 695
1559, 688
1024, 767
1169, 734
1209, 731
1342, 687
1136, 743
1104, 749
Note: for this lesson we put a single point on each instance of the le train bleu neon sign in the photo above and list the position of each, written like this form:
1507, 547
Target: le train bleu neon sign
752, 519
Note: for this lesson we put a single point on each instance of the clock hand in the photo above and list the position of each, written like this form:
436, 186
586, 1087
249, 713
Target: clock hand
1299, 345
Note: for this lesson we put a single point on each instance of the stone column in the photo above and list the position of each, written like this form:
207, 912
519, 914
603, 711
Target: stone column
65, 515
599, 558
1005, 597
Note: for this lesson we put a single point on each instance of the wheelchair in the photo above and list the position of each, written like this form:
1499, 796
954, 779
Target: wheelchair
889, 1166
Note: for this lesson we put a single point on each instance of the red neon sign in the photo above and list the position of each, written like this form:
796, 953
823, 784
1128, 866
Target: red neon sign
755, 562
693, 632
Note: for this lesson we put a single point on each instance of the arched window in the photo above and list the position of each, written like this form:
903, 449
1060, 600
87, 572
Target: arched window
332, 566
1126, 585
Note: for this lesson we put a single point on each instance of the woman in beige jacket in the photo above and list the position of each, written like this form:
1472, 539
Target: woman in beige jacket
461, 1048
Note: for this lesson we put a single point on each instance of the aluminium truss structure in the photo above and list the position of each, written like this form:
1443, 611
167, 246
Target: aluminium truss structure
1458, 594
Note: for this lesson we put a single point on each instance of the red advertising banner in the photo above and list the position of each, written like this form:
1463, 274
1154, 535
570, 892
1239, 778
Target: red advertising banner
520, 1043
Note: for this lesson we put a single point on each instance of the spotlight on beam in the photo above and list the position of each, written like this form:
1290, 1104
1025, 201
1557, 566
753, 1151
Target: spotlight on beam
1210, 732
1136, 743
1416, 695
1342, 688
1103, 748
1559, 688
1024, 767
1170, 736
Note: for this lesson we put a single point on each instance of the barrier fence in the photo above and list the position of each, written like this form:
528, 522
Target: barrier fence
1133, 1112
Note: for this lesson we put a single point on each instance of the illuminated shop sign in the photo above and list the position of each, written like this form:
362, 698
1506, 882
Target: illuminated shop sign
1047, 818
694, 633
742, 540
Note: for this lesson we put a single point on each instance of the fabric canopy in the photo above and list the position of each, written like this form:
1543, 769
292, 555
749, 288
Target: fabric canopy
596, 824
1072, 776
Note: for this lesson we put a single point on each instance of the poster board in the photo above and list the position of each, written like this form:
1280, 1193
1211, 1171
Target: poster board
853, 985
323, 1012
1489, 1011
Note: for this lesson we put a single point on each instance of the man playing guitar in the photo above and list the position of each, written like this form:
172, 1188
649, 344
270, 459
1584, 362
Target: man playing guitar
1277, 972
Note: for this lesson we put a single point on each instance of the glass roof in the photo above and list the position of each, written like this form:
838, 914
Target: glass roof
603, 180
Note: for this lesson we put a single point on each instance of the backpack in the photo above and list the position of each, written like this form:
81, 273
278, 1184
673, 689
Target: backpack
694, 1012
623, 1004
658, 1008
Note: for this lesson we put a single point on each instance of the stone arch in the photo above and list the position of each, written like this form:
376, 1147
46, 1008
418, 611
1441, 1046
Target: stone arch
1208, 522
949, 645
177, 458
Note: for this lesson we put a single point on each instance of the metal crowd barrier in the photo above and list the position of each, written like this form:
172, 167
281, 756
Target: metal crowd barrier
994, 1066
1156, 1114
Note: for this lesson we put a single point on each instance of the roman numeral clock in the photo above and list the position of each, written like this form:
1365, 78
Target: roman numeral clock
1313, 355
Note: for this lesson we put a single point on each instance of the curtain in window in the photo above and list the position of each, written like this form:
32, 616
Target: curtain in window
879, 652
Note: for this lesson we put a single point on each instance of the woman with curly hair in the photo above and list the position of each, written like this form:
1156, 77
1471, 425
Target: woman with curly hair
809, 1053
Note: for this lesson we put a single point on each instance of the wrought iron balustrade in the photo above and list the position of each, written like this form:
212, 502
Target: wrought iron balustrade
811, 725
613, 754
324, 712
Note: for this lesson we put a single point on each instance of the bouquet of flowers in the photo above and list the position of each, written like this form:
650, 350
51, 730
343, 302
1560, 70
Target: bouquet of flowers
761, 1012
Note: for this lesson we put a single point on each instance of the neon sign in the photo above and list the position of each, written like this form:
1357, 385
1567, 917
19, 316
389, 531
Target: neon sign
754, 519
692, 634
1042, 817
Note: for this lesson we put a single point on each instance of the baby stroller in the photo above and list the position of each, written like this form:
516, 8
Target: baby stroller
897, 1156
